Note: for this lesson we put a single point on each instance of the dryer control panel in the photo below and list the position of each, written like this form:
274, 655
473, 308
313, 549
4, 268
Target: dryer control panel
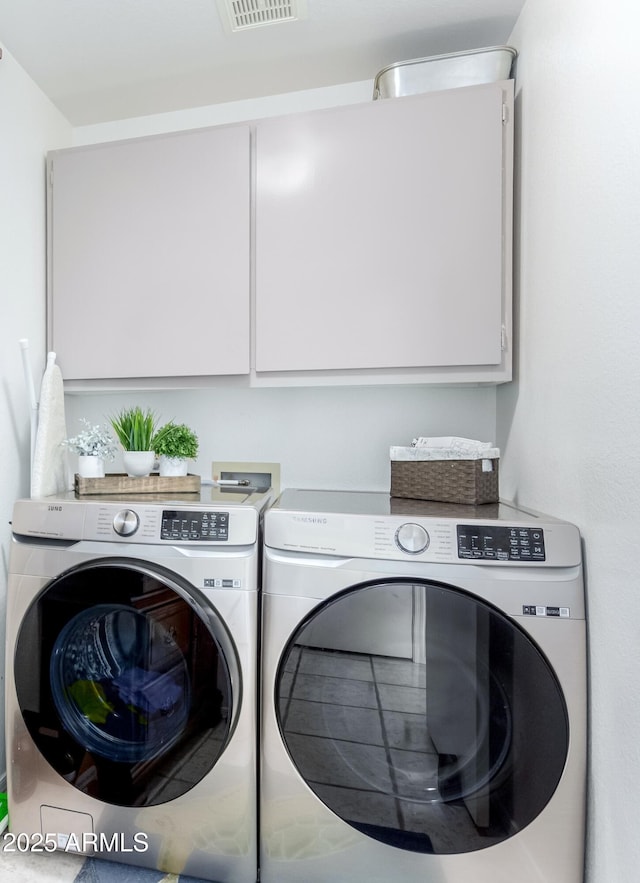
500, 543
361, 524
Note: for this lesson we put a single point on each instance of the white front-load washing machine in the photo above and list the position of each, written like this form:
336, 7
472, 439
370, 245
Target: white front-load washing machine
424, 693
131, 694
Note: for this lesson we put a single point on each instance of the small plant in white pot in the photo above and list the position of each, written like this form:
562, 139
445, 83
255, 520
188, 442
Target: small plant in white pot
93, 445
135, 430
174, 444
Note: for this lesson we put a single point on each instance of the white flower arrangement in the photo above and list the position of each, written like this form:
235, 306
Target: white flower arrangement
93, 441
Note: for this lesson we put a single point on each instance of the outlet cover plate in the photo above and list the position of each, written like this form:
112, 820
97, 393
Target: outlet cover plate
240, 470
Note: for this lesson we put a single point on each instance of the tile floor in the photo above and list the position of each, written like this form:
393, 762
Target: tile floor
26, 867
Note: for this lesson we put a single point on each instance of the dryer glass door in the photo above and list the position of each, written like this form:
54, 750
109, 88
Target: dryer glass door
422, 716
127, 684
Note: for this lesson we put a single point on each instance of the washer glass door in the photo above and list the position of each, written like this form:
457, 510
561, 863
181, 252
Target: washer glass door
422, 716
127, 684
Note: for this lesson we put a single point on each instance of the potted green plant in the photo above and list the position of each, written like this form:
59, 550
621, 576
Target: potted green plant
93, 445
135, 429
174, 444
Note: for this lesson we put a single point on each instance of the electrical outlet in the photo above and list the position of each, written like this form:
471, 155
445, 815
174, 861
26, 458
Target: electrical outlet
259, 475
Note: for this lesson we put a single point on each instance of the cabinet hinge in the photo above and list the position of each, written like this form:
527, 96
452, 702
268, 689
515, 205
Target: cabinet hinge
505, 114
503, 338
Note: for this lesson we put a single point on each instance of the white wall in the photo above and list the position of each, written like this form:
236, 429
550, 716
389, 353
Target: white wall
322, 437
30, 127
230, 112
569, 426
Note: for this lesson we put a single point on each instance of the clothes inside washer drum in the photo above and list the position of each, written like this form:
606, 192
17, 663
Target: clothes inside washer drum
120, 683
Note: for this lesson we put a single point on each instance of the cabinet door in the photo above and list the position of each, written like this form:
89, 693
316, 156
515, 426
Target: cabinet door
380, 233
149, 247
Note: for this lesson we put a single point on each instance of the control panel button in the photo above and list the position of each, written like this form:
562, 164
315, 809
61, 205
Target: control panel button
126, 523
412, 538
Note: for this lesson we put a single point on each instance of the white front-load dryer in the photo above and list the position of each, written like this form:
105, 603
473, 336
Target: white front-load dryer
424, 693
132, 632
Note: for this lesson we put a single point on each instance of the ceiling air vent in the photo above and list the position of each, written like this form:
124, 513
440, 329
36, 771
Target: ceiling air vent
239, 15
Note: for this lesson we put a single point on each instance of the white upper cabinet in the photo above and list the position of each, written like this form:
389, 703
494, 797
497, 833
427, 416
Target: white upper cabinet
367, 243
149, 256
383, 236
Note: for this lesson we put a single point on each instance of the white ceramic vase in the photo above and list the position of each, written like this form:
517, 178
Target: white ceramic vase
138, 464
90, 467
173, 466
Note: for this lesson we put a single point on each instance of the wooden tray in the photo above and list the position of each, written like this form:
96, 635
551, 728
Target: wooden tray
120, 483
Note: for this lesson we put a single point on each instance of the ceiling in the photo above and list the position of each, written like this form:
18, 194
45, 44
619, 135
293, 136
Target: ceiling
101, 60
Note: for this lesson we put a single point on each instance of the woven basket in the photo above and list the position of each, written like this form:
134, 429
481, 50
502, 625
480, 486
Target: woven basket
445, 481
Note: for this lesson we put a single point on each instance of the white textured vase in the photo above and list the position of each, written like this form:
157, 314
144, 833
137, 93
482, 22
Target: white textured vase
137, 464
90, 467
173, 466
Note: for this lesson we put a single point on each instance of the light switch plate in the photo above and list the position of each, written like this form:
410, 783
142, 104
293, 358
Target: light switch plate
259, 474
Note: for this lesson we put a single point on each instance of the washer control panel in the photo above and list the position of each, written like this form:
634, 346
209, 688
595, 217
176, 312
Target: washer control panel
189, 524
500, 543
139, 522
